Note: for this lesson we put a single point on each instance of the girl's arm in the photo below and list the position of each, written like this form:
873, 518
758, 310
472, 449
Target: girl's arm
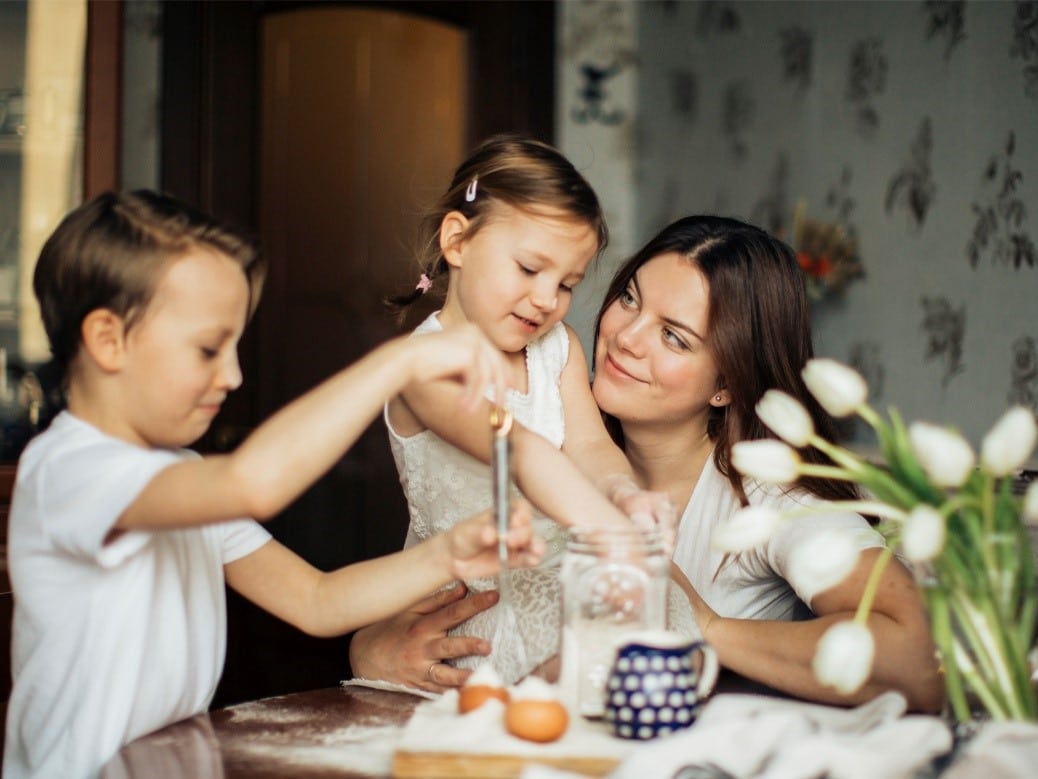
581, 485
303, 440
779, 653
547, 477
596, 454
330, 604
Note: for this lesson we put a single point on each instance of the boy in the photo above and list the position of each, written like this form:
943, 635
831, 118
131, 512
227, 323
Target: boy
121, 540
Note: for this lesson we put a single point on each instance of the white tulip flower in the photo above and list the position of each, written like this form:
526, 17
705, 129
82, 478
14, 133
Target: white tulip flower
946, 456
844, 656
749, 527
786, 417
1031, 504
768, 461
838, 388
922, 537
1009, 443
826, 558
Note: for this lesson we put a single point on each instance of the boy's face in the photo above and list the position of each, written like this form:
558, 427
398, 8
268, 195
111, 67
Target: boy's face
181, 357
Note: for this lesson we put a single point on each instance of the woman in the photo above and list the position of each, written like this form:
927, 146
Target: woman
694, 329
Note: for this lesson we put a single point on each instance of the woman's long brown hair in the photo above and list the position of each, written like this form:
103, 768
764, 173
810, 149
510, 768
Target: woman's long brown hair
758, 330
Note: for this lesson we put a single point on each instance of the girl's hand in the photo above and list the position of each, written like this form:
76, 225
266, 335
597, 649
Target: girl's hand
472, 544
465, 354
645, 508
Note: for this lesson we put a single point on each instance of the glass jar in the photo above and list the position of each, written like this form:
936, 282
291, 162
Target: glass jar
614, 583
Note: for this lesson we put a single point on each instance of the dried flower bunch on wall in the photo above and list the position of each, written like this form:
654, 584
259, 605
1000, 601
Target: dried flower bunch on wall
827, 253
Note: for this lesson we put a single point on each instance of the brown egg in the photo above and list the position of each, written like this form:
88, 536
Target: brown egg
536, 720
473, 696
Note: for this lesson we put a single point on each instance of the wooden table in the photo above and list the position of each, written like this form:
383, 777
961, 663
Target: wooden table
335, 732
308, 735
305, 735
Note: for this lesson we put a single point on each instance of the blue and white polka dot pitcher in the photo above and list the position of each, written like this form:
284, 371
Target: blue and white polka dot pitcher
657, 681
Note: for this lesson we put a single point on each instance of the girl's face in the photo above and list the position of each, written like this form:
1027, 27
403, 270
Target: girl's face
181, 358
514, 276
652, 361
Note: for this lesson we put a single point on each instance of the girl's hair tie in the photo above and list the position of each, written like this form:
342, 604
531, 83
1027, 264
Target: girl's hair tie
424, 283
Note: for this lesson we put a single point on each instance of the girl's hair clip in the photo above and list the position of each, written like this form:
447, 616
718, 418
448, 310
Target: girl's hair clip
470, 190
424, 283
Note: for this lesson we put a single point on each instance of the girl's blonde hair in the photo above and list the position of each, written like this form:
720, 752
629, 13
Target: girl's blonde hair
514, 170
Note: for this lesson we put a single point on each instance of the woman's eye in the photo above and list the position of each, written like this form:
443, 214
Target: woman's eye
626, 298
566, 287
674, 339
208, 353
527, 271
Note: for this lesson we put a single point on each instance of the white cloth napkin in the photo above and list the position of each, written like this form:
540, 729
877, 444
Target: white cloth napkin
1008, 750
773, 738
378, 684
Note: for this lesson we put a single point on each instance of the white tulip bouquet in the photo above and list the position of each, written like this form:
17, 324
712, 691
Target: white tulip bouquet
960, 527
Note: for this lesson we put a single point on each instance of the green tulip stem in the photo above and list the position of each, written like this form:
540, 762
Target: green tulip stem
868, 475
872, 585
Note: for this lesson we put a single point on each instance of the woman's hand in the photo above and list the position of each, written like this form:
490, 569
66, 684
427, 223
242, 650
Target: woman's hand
412, 647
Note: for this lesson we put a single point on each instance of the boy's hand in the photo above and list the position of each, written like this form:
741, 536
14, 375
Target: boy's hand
472, 544
465, 354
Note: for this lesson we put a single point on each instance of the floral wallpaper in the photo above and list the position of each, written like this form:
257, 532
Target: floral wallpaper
908, 127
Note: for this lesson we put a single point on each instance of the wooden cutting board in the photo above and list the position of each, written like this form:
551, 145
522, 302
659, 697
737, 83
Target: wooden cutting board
460, 765
438, 742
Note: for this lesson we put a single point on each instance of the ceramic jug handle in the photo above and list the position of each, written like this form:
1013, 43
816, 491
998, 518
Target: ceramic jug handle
711, 668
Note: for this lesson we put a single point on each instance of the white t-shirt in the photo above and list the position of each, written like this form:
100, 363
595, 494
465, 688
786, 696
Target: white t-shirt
758, 584
111, 641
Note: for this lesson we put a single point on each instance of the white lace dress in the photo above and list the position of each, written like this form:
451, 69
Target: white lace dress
444, 485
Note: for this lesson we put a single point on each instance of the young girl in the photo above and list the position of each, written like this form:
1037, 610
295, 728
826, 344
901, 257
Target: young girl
514, 233
121, 540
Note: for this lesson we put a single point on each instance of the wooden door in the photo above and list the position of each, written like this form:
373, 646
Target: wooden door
362, 122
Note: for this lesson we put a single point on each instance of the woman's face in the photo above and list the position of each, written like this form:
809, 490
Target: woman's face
652, 362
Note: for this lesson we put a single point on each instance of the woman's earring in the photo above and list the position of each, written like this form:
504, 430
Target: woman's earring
718, 398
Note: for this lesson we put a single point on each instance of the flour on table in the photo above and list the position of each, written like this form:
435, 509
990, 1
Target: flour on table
364, 748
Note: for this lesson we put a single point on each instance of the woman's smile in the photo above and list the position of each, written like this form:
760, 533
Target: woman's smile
614, 368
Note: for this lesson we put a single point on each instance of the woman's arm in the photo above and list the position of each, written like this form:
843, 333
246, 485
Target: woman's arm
779, 653
330, 604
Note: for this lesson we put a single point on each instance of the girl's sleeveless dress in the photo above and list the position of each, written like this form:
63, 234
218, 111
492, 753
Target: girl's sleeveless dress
444, 485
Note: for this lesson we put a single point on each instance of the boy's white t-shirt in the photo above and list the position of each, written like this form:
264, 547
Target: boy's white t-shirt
111, 641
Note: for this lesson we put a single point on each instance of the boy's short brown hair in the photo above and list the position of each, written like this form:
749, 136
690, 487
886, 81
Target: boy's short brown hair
111, 252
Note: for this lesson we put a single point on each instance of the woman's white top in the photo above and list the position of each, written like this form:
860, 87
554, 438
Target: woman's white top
761, 583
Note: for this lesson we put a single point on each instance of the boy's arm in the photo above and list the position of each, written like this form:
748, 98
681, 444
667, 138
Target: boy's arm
303, 440
330, 604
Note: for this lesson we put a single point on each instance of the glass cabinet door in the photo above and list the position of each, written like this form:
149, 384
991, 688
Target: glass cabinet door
42, 46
